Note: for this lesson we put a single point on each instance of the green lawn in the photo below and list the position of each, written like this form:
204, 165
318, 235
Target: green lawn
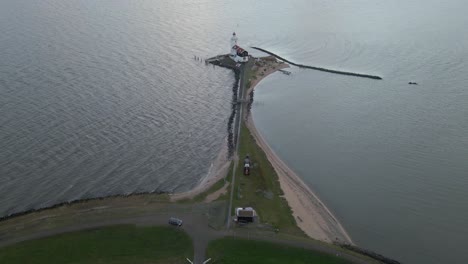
234, 250
117, 244
261, 189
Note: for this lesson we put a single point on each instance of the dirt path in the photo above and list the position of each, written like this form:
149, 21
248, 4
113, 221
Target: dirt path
213, 196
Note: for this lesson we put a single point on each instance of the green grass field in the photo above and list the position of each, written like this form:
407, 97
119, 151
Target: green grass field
117, 244
234, 250
261, 189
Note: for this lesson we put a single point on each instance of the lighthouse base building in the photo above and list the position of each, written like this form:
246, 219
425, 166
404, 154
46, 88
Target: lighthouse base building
237, 54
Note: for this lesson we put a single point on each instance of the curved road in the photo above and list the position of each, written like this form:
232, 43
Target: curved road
195, 225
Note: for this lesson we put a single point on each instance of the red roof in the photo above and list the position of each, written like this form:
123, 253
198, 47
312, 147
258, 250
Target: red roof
238, 49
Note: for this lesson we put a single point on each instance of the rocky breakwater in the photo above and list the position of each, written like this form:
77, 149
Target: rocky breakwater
320, 68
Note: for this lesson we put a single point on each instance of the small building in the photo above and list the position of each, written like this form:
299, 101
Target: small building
245, 215
240, 51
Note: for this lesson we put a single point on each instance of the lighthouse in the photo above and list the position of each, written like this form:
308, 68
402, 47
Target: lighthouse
233, 43
237, 54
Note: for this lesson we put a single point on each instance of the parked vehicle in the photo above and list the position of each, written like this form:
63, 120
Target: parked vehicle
175, 221
247, 165
246, 169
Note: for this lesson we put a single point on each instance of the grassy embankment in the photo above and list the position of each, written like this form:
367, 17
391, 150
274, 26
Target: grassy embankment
117, 244
233, 250
261, 189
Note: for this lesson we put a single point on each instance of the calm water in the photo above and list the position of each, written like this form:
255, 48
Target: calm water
104, 97
391, 160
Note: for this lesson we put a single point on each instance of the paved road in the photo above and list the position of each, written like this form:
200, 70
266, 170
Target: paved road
240, 108
195, 224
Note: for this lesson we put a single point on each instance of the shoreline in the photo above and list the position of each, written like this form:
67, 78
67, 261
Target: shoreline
218, 170
311, 214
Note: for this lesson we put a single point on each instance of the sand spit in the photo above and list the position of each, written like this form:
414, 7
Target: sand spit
311, 215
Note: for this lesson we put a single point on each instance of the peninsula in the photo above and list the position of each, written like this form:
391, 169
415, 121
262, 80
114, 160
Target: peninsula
310, 214
267, 203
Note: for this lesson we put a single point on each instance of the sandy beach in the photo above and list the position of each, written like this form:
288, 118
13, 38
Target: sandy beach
311, 215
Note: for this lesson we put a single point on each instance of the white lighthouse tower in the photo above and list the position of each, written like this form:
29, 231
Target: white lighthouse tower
237, 54
233, 44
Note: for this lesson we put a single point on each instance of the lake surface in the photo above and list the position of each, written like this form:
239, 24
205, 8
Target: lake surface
104, 97
388, 158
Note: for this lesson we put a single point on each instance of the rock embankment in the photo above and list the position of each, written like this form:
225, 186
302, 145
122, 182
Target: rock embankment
369, 253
